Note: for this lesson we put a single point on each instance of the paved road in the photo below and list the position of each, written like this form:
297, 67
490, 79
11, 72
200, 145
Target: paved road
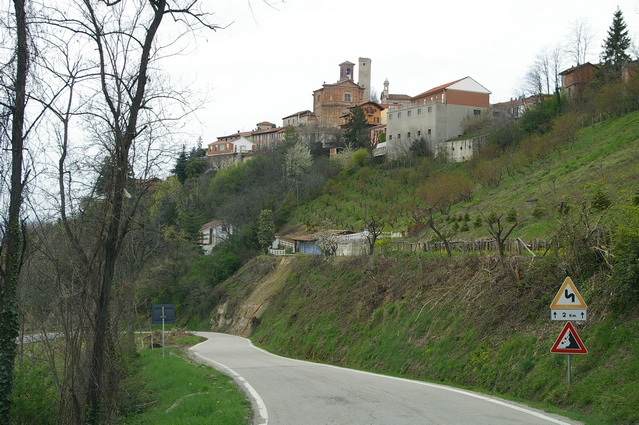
292, 392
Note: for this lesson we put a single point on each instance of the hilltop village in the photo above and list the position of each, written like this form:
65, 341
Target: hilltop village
437, 116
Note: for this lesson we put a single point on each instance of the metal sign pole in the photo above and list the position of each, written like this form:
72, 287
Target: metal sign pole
569, 369
163, 332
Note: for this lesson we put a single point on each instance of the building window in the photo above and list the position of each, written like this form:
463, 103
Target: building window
477, 112
390, 137
419, 133
408, 113
390, 116
429, 131
408, 135
430, 109
319, 98
419, 111
399, 114
399, 135
347, 97
376, 119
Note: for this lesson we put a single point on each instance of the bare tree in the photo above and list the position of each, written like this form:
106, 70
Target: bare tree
13, 106
543, 75
433, 200
556, 59
498, 230
107, 63
580, 39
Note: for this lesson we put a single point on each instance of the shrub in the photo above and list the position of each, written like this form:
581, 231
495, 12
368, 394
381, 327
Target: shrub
600, 200
361, 158
35, 398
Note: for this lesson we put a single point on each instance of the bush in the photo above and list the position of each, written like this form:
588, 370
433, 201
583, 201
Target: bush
626, 255
361, 158
35, 398
601, 201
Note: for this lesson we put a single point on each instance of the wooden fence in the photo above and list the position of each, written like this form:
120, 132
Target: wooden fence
534, 247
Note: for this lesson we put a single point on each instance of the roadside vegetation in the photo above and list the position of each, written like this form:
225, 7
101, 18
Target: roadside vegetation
158, 390
176, 390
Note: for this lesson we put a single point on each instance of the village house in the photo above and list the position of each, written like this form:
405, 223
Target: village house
299, 119
574, 80
213, 233
267, 135
515, 108
372, 113
326, 242
437, 115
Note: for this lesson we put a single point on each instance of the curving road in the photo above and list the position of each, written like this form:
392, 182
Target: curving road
293, 392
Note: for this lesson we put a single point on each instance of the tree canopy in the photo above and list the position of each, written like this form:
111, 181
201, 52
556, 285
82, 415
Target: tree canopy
356, 130
616, 44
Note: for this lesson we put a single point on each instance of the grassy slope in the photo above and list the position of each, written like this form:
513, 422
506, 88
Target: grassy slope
604, 157
470, 320
467, 321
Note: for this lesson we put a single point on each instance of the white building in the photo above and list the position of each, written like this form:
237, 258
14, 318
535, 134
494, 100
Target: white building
437, 115
212, 233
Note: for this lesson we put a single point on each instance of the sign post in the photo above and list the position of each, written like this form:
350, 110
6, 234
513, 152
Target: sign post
568, 305
163, 314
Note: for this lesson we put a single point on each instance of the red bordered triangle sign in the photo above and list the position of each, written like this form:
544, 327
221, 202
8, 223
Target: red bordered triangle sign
569, 342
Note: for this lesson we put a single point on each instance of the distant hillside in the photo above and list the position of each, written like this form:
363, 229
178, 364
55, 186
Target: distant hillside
536, 180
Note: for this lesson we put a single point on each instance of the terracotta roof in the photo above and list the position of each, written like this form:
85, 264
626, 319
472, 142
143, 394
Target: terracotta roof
235, 135
398, 97
574, 68
300, 113
268, 130
372, 103
437, 89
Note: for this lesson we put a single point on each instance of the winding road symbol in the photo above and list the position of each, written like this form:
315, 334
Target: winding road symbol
568, 297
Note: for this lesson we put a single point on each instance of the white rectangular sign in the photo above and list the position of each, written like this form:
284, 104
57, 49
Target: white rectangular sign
574, 314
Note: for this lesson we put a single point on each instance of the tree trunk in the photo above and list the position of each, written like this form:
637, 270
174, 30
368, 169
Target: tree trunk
103, 378
12, 247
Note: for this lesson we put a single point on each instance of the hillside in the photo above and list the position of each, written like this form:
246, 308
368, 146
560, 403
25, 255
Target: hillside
468, 321
471, 320
536, 180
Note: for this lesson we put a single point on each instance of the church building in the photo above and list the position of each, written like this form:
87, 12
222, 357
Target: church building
332, 101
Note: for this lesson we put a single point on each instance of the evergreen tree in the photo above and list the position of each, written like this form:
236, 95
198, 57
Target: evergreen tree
618, 41
266, 229
356, 130
180, 166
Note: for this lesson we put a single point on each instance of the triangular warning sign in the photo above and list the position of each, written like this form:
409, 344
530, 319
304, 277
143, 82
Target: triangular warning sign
569, 342
568, 297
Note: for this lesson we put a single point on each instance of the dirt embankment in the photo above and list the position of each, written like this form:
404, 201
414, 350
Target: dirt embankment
255, 285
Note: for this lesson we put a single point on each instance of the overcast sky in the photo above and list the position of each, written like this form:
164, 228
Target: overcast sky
266, 63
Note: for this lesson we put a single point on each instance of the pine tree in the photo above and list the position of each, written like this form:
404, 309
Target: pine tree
618, 41
357, 131
180, 166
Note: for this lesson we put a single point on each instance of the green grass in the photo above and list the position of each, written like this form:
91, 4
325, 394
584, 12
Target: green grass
177, 391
